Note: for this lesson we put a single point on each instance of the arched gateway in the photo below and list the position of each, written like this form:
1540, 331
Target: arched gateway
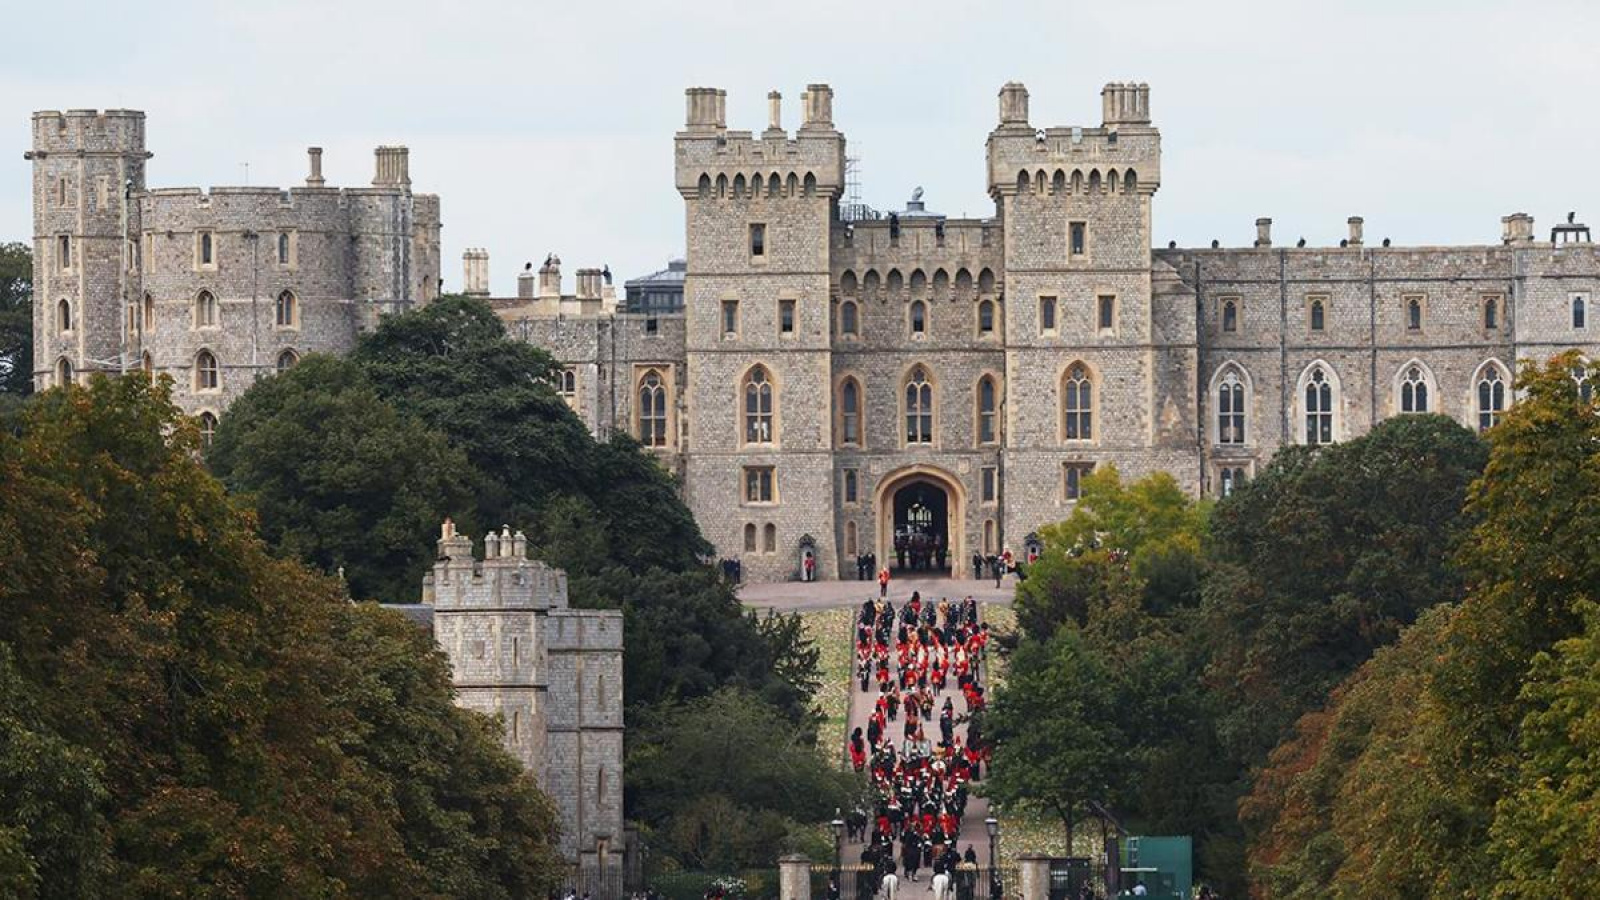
920, 510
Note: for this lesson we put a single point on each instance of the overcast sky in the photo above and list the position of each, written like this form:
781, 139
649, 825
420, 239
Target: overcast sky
548, 126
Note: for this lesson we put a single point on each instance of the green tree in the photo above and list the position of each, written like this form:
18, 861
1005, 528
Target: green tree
218, 720
724, 786
16, 321
340, 478
1056, 727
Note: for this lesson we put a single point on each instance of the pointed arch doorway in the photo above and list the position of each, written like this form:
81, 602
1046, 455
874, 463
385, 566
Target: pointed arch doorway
921, 515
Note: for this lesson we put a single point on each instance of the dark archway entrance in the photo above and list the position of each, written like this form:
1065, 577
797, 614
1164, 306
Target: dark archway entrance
921, 528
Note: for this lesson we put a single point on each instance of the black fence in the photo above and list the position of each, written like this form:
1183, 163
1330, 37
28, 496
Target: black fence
596, 884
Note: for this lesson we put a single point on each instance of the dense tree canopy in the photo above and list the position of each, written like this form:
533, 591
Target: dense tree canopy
180, 713
1462, 763
16, 322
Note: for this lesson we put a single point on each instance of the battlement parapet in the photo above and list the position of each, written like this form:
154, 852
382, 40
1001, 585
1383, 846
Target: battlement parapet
504, 579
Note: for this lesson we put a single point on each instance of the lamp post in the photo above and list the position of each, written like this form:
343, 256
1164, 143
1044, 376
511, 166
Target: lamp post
834, 886
992, 825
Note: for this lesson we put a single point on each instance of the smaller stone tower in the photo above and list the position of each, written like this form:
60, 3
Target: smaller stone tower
552, 674
88, 170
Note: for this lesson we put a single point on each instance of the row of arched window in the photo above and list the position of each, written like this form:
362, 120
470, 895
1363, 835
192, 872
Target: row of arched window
205, 371
1415, 306
918, 284
1078, 182
207, 313
1318, 400
919, 314
757, 185
769, 538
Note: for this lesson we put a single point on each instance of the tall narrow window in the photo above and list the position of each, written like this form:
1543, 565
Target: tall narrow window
1318, 313
1108, 312
988, 431
1580, 311
1319, 407
786, 317
207, 376
1076, 239
849, 315
1580, 377
286, 360
1413, 391
1230, 478
750, 537
288, 315
1491, 312
851, 486
919, 408
207, 249
1491, 397
1230, 409
850, 544
1413, 313
988, 484
1073, 475
652, 409
149, 323
1047, 315
758, 402
64, 252
283, 248
919, 318
1077, 404
205, 310
850, 412
730, 318
985, 317
208, 428
64, 315
758, 239
769, 538
63, 372
759, 485
1230, 315
567, 383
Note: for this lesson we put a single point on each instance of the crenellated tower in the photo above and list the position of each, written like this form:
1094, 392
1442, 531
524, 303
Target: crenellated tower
88, 171
759, 208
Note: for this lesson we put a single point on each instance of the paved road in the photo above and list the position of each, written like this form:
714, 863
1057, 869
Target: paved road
794, 596
861, 706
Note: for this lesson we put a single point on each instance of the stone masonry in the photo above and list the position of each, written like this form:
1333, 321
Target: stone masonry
552, 674
1200, 362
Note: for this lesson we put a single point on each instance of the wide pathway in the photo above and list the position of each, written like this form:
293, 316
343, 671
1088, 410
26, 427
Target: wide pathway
797, 596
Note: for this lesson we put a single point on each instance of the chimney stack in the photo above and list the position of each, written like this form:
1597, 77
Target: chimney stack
707, 109
527, 283
1263, 232
1125, 104
1355, 223
1517, 228
775, 112
550, 278
315, 179
588, 284
475, 272
393, 167
817, 101
1013, 104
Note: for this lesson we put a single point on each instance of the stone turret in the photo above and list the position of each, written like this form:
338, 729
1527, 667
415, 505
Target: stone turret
393, 167
1125, 104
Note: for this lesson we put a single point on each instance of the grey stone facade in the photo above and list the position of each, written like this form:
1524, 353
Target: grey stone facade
1163, 369
171, 279
552, 674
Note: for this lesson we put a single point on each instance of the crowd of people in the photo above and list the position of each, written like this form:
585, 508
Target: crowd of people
912, 663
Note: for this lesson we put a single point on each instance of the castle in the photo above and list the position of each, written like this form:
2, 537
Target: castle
839, 382
553, 675
215, 288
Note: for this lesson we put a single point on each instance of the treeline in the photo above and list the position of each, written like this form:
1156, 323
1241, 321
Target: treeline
1371, 671
351, 463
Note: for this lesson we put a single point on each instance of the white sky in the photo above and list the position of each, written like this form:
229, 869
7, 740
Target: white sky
548, 127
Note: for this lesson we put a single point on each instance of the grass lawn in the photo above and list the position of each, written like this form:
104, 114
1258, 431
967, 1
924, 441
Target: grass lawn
829, 629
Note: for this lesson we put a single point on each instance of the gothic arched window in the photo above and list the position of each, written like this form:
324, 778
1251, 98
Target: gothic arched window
1319, 393
1413, 390
1580, 311
985, 317
63, 372
758, 404
849, 316
64, 315
208, 428
205, 310
1230, 315
652, 409
1491, 388
919, 407
286, 313
287, 359
207, 375
1230, 408
988, 416
919, 318
850, 412
1077, 404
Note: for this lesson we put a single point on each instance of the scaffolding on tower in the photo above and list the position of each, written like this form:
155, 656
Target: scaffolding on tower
853, 209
